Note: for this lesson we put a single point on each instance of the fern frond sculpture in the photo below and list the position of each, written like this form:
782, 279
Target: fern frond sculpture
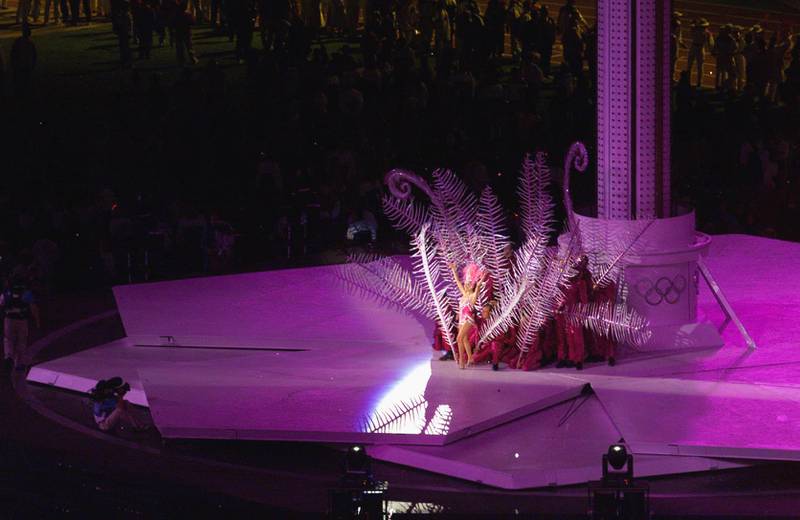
523, 288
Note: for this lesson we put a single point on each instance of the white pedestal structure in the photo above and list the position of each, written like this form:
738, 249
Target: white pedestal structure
661, 275
633, 176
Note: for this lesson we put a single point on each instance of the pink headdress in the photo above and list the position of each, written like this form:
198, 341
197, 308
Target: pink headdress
472, 273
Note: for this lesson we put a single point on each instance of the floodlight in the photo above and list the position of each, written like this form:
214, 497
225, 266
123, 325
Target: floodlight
617, 456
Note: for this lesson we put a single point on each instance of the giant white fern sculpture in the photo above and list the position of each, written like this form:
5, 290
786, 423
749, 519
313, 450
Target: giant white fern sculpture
527, 283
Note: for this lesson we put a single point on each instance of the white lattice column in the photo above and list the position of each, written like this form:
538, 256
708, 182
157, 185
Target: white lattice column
633, 106
633, 182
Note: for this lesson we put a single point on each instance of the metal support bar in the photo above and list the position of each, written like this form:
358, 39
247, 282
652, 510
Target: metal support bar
730, 314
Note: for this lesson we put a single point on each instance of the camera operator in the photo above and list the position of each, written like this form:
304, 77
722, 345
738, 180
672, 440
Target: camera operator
110, 408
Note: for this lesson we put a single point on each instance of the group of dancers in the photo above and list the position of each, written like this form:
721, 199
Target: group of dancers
560, 341
522, 307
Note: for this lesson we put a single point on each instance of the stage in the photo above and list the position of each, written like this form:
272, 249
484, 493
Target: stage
299, 355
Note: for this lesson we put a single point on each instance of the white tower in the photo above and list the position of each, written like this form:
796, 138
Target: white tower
633, 181
633, 109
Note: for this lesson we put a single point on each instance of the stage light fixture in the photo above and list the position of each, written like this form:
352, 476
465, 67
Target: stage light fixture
620, 461
356, 461
617, 456
359, 495
617, 495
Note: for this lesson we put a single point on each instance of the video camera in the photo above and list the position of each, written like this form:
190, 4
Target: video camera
114, 387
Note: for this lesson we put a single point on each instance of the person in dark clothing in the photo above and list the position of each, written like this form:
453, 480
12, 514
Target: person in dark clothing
183, 35
242, 22
2, 77
65, 14
121, 25
75, 7
298, 40
227, 14
573, 48
495, 19
546, 38
19, 307
273, 17
166, 22
352, 10
218, 12
47, 9
145, 25
23, 62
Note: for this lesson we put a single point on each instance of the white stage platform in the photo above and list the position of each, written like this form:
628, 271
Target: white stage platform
294, 355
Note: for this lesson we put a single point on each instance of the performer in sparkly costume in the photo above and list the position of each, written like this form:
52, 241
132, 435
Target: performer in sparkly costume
469, 290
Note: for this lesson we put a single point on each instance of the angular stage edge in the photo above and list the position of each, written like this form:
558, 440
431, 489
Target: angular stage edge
558, 446
295, 355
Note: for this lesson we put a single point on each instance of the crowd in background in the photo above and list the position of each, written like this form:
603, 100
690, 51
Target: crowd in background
207, 175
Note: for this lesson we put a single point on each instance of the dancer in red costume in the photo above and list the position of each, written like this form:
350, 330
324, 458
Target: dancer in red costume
571, 347
499, 349
466, 311
543, 349
440, 344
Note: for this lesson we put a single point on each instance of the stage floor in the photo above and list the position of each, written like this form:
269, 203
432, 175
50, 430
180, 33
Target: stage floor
296, 355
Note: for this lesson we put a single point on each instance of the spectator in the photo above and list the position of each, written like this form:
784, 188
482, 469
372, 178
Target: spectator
166, 22
407, 20
701, 41
573, 48
725, 48
442, 26
495, 18
23, 62
183, 35
546, 38
2, 77
776, 54
145, 17
568, 16
312, 14
55, 8
335, 20
121, 24
242, 22
273, 18
65, 13
676, 41
352, 12
23, 11
759, 71
19, 307
217, 11
75, 7
740, 57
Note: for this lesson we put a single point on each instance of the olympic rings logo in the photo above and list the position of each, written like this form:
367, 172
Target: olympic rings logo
664, 290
